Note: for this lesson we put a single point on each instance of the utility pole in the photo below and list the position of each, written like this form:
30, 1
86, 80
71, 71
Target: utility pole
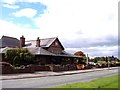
87, 60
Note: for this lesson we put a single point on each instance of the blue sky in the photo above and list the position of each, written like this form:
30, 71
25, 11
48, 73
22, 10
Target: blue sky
8, 12
90, 26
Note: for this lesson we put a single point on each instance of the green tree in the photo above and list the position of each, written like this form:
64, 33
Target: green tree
19, 56
9, 55
16, 61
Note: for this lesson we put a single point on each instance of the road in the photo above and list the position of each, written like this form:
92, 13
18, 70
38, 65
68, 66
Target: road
52, 81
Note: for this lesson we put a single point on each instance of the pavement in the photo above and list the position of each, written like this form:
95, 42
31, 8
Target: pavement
49, 73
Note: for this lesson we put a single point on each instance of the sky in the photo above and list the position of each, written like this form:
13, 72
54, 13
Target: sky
90, 26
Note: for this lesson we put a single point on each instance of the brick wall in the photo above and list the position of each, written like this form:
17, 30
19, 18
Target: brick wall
55, 48
56, 68
41, 68
8, 69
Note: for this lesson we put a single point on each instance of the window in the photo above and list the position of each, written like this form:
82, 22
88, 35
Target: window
56, 43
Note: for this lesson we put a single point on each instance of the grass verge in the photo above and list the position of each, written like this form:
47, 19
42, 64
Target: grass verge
105, 82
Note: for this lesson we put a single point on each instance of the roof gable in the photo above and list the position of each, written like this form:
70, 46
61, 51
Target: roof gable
57, 40
47, 42
9, 42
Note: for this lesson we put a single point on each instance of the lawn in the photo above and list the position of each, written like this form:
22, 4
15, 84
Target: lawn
105, 82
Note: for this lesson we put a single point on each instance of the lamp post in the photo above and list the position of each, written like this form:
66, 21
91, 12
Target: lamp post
87, 60
108, 62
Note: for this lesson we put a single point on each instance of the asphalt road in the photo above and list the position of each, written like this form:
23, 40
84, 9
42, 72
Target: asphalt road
52, 81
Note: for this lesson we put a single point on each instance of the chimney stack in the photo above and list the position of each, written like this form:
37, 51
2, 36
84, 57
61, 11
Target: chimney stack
38, 42
22, 41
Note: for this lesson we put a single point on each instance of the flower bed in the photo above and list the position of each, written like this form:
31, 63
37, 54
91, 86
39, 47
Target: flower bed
27, 69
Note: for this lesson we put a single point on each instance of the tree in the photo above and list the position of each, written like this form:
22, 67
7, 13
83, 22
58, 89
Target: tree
82, 58
16, 61
19, 56
9, 55
79, 53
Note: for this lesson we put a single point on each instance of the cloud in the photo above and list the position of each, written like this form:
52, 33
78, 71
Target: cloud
65, 18
83, 25
9, 1
96, 51
10, 6
91, 42
16, 30
32, 34
87, 25
27, 12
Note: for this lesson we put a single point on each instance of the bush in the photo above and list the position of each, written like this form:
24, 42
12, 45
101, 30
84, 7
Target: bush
117, 63
19, 56
16, 61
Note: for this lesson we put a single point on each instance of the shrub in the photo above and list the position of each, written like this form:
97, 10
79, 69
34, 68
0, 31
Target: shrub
19, 56
118, 63
16, 61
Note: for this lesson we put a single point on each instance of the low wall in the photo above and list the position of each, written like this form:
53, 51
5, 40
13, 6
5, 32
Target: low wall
29, 69
12, 70
56, 68
8, 69
72, 67
41, 68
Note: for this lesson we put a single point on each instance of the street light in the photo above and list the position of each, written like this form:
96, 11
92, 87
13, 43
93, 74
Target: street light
108, 62
87, 60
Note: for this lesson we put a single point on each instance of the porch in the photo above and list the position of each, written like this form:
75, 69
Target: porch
56, 60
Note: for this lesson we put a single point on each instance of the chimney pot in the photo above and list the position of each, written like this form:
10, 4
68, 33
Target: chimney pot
22, 41
38, 42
